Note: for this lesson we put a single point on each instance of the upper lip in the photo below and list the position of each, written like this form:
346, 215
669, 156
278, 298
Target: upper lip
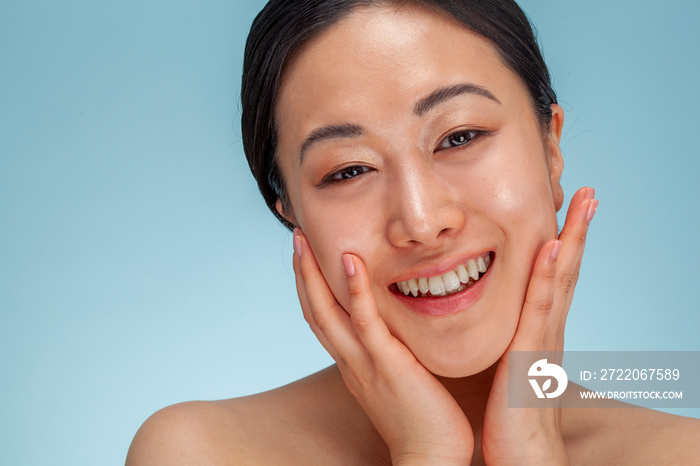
439, 268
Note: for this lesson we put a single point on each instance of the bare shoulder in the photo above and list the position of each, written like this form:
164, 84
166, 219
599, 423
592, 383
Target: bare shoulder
627, 435
660, 438
184, 434
310, 421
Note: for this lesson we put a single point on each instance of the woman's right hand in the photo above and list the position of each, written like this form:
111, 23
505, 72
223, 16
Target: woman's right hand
414, 413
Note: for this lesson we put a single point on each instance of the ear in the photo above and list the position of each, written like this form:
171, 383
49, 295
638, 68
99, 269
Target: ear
556, 161
288, 216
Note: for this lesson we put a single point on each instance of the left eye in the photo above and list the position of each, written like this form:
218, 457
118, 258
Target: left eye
458, 139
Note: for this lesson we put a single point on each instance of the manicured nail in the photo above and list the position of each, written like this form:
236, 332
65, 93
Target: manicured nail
297, 242
349, 266
554, 253
592, 207
590, 193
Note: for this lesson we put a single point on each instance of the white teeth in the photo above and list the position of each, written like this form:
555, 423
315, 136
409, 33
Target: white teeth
413, 286
423, 285
481, 264
463, 274
447, 283
473, 271
437, 286
451, 281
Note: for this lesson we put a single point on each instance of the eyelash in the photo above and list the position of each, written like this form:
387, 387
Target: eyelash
341, 175
468, 134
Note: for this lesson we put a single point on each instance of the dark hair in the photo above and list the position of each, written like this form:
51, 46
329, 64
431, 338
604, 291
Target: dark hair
283, 27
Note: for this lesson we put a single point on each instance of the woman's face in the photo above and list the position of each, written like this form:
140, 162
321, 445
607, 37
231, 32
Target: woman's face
405, 140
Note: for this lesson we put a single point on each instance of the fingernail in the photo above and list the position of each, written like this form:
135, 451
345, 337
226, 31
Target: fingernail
554, 253
297, 242
592, 208
590, 193
349, 266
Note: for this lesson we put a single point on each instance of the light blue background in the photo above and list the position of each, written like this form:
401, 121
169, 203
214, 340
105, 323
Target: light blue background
139, 267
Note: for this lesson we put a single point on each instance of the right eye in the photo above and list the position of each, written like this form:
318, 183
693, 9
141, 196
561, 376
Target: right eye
346, 173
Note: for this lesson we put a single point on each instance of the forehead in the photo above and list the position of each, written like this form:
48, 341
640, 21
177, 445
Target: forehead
379, 61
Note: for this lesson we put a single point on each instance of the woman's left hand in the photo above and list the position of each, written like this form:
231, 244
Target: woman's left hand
525, 436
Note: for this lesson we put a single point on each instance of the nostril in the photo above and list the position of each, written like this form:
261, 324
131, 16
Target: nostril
445, 232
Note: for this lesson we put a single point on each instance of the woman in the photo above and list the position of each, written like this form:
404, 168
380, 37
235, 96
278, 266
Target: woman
414, 148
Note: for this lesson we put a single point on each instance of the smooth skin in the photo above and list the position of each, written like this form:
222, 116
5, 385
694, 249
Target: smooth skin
403, 193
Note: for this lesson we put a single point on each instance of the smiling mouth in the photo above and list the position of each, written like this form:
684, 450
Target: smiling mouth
449, 283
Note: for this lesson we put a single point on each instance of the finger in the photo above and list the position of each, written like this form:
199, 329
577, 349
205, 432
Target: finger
539, 300
579, 196
573, 237
364, 315
326, 316
308, 316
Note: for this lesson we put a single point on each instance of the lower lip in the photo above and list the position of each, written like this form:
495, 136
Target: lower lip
446, 305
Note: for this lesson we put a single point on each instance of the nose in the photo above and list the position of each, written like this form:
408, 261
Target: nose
426, 209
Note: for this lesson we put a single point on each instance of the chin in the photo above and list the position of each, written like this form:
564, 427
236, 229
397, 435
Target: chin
466, 359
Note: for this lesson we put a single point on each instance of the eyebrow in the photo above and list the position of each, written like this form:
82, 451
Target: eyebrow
441, 95
328, 132
422, 107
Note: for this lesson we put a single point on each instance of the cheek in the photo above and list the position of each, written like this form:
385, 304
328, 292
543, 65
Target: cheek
333, 232
521, 193
523, 202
